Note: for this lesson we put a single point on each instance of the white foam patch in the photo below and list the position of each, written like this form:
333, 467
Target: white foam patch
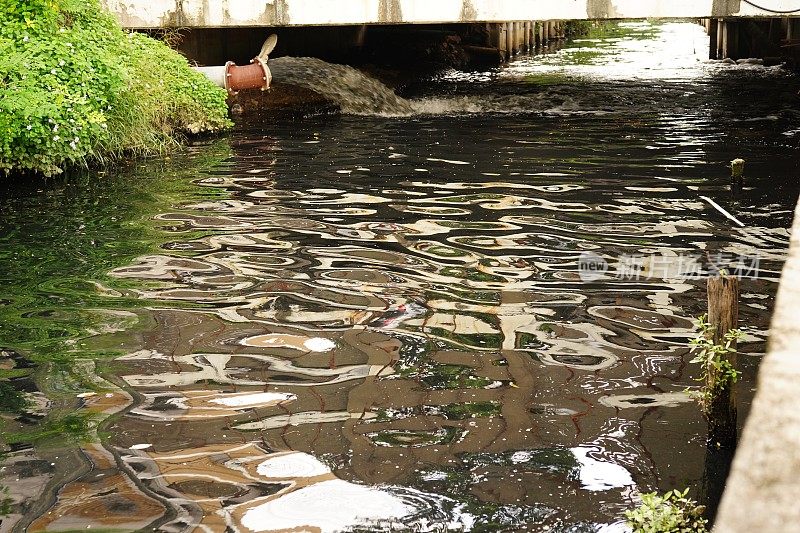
449, 161
292, 465
318, 344
141, 446
600, 475
296, 342
244, 400
328, 506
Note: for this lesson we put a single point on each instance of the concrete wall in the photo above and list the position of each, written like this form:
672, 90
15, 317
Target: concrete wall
763, 490
237, 13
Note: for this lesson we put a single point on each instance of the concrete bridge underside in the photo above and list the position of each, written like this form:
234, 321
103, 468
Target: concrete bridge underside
143, 14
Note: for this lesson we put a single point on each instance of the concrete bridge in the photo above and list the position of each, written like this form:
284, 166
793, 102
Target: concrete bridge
144, 14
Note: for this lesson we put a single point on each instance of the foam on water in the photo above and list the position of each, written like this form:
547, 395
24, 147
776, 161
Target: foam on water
357, 93
647, 54
353, 91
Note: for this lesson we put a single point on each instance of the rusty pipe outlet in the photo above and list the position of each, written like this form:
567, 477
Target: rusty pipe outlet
233, 78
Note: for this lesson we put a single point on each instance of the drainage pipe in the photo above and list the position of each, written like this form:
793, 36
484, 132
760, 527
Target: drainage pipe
233, 78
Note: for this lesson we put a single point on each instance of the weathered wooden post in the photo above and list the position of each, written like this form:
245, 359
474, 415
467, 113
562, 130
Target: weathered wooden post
737, 169
723, 316
737, 175
720, 407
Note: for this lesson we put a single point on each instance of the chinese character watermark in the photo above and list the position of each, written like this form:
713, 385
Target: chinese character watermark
636, 267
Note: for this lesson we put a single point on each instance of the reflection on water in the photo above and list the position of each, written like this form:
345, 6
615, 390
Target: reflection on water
379, 324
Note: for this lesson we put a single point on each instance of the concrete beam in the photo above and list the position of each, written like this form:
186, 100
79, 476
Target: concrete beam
244, 13
763, 490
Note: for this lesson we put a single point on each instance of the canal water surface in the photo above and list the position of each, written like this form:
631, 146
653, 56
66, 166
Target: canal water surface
465, 311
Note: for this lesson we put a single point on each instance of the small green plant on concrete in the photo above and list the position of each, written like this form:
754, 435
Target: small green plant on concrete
671, 513
713, 359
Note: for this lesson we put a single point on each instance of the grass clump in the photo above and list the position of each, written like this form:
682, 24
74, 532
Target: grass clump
671, 513
11, 400
76, 88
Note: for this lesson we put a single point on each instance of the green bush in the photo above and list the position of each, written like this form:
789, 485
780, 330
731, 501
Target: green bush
76, 88
671, 513
714, 361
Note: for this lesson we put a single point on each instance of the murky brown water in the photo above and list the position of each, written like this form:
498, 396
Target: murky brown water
368, 324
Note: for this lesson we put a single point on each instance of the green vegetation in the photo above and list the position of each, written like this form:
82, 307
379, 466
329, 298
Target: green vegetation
713, 359
577, 28
56, 289
463, 411
56, 430
60, 309
606, 29
11, 400
463, 483
413, 439
5, 503
438, 376
75, 88
671, 513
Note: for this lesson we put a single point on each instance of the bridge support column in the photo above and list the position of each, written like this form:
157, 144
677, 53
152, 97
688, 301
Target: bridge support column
711, 29
730, 39
532, 35
527, 35
719, 49
499, 39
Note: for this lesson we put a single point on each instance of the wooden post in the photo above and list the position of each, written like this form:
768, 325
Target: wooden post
723, 316
737, 175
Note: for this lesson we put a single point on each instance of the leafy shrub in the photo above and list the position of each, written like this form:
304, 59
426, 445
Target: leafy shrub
713, 358
671, 513
75, 88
